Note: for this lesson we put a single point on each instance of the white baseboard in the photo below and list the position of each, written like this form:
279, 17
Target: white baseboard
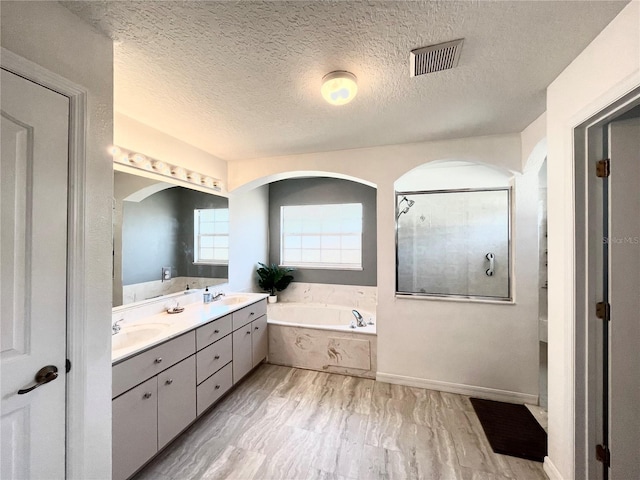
550, 469
460, 388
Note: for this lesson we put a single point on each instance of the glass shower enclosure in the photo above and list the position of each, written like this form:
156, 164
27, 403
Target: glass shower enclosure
454, 243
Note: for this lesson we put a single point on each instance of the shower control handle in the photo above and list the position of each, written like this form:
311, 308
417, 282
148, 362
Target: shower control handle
491, 257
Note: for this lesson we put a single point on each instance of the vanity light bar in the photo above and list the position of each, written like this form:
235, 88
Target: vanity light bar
142, 162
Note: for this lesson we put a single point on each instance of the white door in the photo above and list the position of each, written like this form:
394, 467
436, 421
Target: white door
624, 288
33, 234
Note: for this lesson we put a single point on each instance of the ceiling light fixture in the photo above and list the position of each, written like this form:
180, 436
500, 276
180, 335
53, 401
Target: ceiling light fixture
339, 87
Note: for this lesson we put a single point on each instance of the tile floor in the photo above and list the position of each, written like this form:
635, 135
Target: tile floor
286, 423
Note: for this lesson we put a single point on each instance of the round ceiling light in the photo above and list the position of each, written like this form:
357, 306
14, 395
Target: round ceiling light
339, 87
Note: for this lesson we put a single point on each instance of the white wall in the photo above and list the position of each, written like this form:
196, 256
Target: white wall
248, 237
138, 137
489, 349
607, 69
48, 34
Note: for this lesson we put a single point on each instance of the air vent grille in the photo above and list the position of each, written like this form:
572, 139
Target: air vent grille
435, 58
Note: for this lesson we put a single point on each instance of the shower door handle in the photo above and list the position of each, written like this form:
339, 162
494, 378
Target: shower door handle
491, 257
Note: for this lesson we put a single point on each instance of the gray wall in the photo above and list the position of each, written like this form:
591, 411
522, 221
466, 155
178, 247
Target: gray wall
158, 232
319, 191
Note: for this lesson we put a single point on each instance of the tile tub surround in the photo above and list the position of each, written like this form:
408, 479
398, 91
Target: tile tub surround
354, 296
343, 352
284, 423
318, 337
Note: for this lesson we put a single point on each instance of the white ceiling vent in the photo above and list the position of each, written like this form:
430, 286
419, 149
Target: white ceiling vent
435, 58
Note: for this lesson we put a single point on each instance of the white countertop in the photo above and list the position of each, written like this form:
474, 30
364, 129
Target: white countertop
174, 325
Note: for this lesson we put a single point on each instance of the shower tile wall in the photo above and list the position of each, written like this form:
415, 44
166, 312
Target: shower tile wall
443, 240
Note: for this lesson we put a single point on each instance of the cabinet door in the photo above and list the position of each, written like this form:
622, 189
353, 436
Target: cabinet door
241, 352
176, 400
135, 428
259, 340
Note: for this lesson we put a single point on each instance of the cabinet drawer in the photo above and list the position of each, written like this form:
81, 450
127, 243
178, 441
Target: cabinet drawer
213, 358
213, 332
147, 364
248, 314
213, 388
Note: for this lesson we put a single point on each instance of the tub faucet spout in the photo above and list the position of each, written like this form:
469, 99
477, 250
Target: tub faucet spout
359, 319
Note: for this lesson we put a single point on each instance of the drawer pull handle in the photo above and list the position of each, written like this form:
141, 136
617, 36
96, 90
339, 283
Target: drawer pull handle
217, 357
217, 387
257, 328
216, 331
158, 360
251, 314
169, 381
249, 332
147, 395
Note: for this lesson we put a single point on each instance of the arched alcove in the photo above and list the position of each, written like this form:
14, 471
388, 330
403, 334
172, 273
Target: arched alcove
453, 231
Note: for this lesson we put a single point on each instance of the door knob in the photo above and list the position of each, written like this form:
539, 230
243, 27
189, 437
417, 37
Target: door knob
44, 375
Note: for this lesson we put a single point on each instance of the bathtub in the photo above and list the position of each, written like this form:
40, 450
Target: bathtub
319, 337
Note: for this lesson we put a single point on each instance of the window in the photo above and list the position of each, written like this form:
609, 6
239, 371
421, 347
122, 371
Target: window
321, 236
211, 235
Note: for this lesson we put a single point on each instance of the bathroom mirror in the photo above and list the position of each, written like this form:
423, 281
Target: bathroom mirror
454, 243
166, 237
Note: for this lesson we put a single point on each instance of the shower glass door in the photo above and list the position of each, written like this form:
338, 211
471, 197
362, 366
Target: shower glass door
454, 243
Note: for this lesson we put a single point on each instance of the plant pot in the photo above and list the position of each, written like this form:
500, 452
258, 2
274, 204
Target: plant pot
272, 299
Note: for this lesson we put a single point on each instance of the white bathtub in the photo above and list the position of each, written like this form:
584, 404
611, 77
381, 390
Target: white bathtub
318, 337
318, 316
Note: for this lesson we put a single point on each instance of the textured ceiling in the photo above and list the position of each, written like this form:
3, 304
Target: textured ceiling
242, 79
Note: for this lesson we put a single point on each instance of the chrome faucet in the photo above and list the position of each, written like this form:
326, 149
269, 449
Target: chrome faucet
359, 319
217, 296
115, 328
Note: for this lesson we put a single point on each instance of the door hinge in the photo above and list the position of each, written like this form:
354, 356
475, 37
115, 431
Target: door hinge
603, 310
67, 365
603, 168
603, 455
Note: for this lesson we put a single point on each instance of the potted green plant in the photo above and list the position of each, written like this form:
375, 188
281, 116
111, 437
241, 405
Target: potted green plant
274, 278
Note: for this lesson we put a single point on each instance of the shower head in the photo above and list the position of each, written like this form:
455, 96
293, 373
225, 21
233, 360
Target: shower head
405, 199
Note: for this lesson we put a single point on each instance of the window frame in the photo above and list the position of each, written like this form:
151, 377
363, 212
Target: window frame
319, 233
197, 235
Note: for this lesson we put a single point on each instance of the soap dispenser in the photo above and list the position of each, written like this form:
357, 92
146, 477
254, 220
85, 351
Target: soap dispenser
206, 297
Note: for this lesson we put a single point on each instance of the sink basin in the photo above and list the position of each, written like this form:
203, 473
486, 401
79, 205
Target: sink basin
232, 300
132, 335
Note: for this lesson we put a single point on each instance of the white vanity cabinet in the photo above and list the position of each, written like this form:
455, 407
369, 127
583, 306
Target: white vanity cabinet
161, 391
148, 416
250, 341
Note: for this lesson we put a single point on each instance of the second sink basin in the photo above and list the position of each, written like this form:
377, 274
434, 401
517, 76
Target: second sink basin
232, 300
135, 334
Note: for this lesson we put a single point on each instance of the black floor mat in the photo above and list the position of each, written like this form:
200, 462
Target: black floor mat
511, 429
